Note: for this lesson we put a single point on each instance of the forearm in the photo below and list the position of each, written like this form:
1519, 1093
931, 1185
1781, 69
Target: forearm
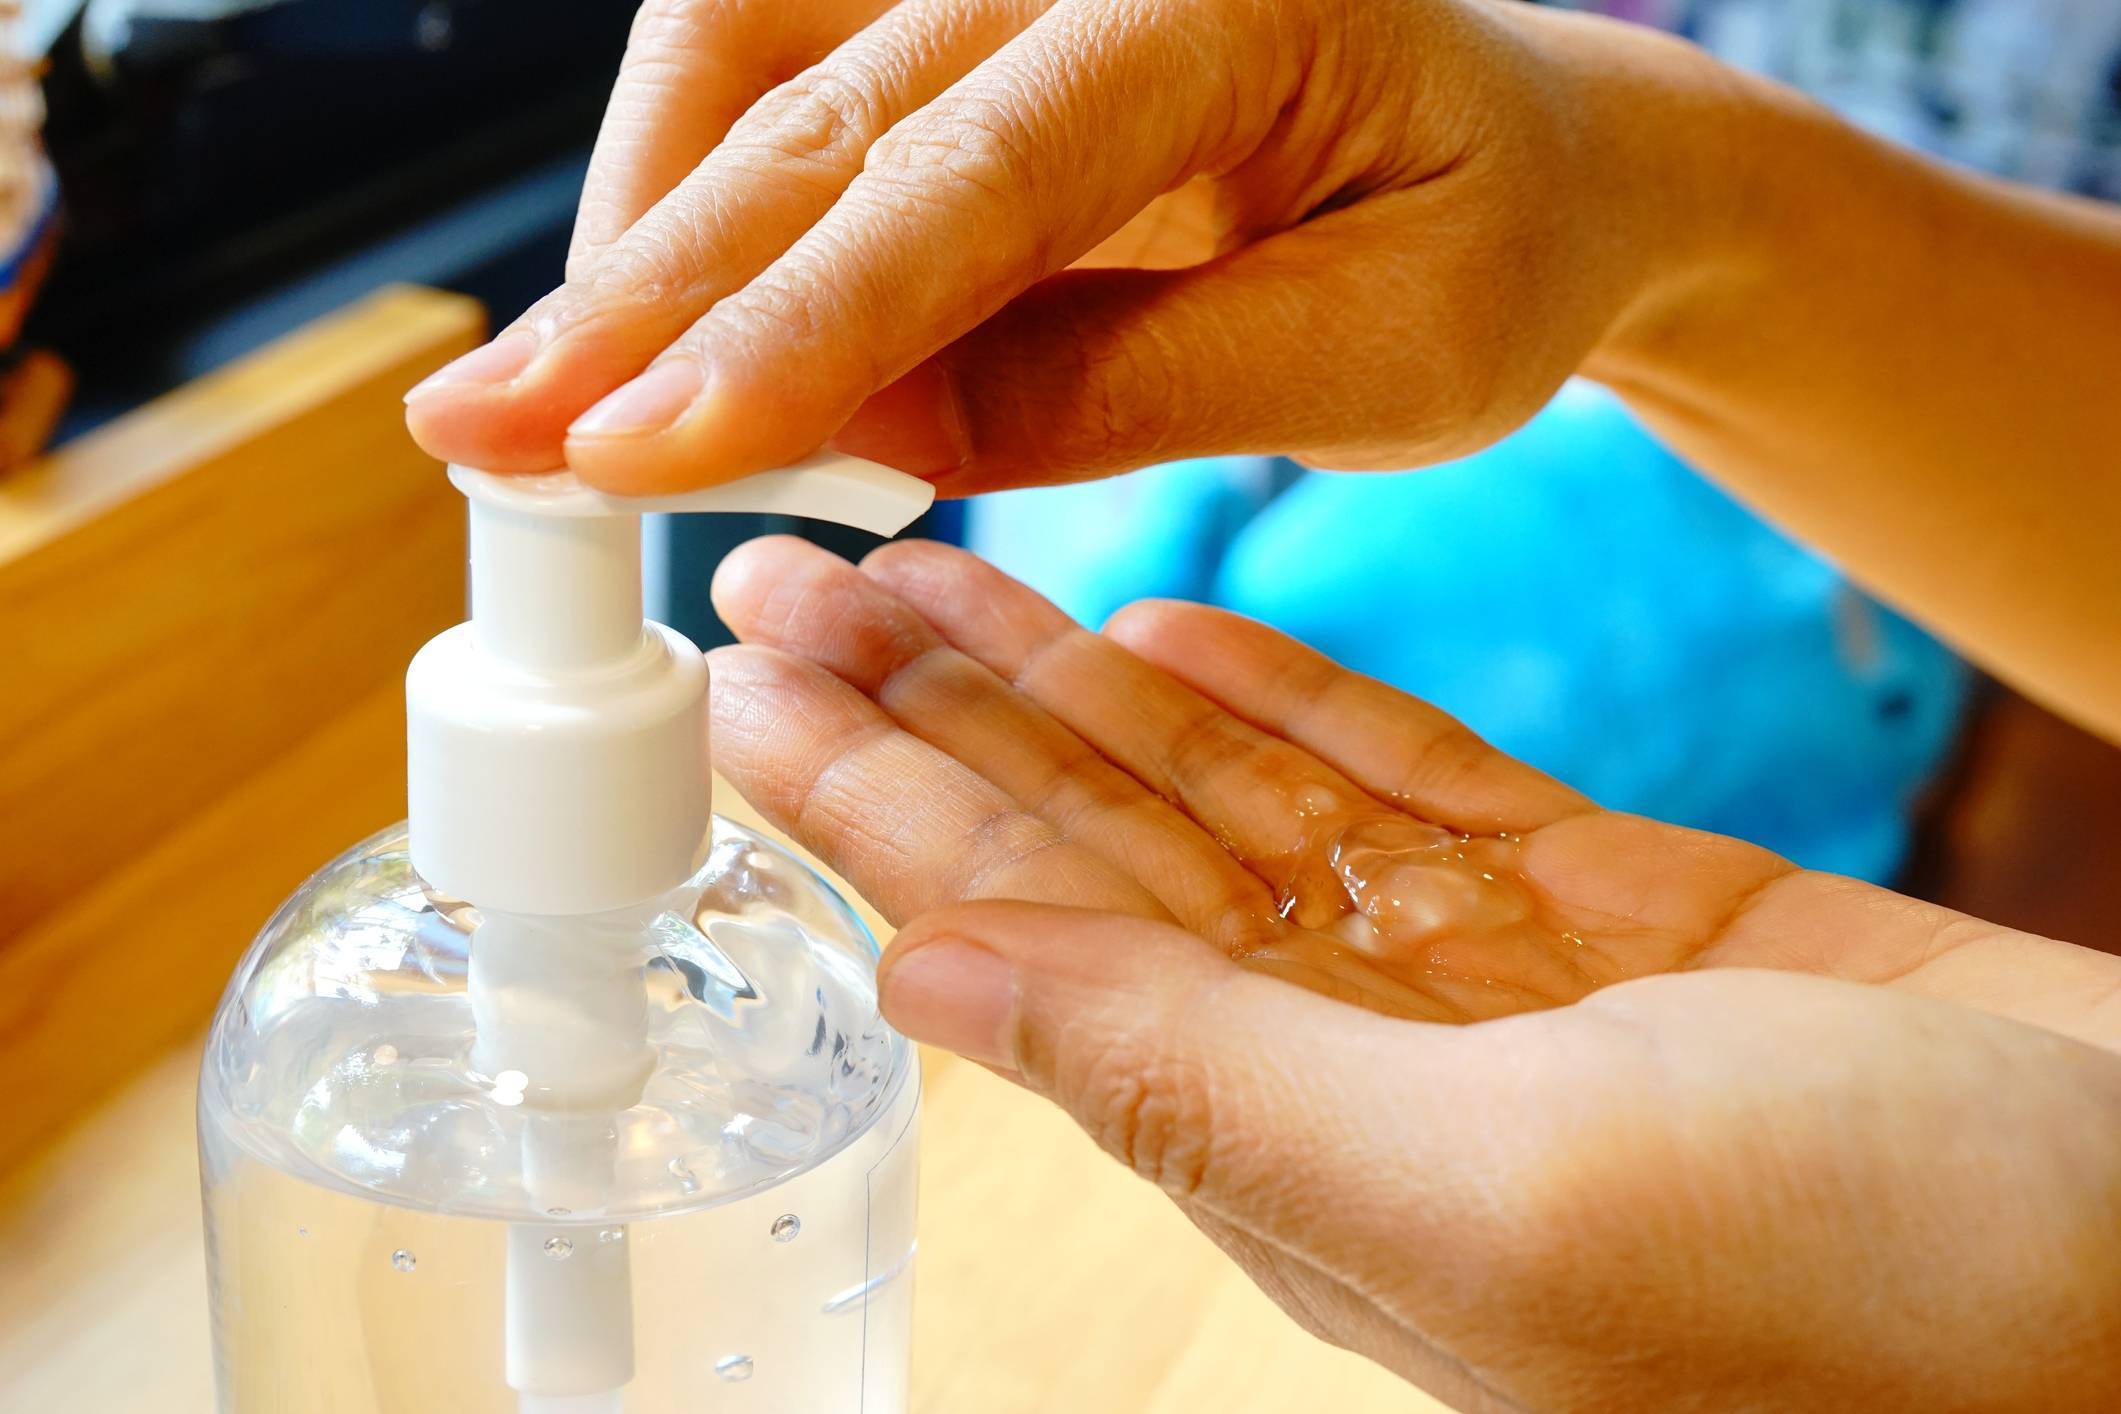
1914, 369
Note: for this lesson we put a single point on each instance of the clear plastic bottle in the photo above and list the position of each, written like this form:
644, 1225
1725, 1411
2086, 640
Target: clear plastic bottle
480, 1136
367, 1185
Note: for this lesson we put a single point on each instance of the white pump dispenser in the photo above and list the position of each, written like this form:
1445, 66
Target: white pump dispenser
556, 743
558, 782
568, 1097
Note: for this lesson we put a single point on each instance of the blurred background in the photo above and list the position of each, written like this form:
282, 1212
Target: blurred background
232, 232
224, 171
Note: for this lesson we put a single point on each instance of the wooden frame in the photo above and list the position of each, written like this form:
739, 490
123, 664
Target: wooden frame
206, 608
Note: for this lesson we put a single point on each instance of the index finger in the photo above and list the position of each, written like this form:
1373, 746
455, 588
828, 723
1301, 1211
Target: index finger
1042, 151
692, 68
908, 826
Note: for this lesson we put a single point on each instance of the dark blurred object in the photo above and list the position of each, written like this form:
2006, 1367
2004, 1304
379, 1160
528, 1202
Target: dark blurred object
257, 162
2026, 827
34, 388
34, 384
196, 153
687, 549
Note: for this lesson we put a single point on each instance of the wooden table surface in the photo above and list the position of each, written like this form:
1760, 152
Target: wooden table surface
1049, 1278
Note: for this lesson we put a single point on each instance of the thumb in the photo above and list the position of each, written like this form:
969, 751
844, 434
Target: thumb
1359, 1167
1233, 1091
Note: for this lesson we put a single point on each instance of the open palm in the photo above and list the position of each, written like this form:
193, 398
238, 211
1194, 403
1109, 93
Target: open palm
1191, 765
1669, 1154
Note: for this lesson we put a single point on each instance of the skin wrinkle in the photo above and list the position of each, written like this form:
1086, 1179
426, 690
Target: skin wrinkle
1376, 1296
816, 795
1079, 770
817, 117
1156, 1104
1203, 740
804, 793
1125, 392
1097, 786
740, 702
1470, 1380
1444, 761
1001, 842
907, 659
917, 561
1946, 935
1289, 138
805, 612
1062, 397
835, 794
1746, 902
901, 647
775, 302
1205, 746
1810, 888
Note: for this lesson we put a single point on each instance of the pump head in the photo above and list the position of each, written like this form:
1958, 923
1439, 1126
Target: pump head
556, 743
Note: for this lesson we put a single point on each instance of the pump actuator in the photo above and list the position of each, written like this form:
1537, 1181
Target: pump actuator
557, 742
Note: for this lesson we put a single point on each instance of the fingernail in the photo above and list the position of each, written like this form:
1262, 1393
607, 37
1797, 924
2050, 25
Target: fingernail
648, 404
956, 995
496, 362
917, 425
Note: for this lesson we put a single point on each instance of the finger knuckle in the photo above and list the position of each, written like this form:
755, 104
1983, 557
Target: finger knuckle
778, 305
651, 264
1001, 848
1446, 762
1101, 396
825, 115
1244, 922
1128, 405
965, 149
1209, 746
663, 29
1154, 1112
801, 307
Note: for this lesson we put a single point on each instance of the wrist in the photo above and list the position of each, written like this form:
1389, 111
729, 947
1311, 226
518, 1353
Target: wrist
1671, 150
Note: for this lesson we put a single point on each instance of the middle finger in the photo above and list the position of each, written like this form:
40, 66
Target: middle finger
910, 828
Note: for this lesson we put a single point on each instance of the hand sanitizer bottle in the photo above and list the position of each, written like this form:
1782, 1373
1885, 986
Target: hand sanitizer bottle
565, 1097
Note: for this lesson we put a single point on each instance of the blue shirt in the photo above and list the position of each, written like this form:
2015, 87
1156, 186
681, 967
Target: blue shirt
2029, 89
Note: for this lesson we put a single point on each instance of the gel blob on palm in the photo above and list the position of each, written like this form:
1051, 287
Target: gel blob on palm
566, 1096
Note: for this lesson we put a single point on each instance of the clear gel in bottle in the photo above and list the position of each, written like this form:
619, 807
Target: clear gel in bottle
566, 1098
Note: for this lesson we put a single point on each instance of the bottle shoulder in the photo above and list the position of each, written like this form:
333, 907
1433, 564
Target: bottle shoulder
345, 1048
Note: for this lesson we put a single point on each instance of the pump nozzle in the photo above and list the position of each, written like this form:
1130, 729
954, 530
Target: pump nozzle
556, 742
